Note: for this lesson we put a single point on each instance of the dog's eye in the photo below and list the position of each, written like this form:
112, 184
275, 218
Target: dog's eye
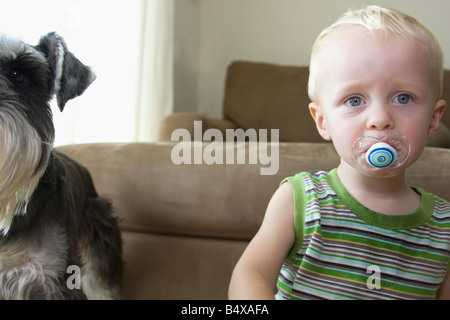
17, 75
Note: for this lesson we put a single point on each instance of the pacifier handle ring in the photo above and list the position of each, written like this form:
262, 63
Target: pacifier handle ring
381, 155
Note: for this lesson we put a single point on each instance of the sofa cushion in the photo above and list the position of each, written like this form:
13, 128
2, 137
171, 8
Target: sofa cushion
446, 96
152, 194
270, 96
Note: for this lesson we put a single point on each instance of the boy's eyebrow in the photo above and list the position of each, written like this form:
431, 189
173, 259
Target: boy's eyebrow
353, 87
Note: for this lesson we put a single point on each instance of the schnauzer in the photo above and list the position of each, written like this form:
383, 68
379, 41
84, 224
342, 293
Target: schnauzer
52, 221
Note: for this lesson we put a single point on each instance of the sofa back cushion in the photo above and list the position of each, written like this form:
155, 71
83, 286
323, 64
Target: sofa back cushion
270, 96
446, 96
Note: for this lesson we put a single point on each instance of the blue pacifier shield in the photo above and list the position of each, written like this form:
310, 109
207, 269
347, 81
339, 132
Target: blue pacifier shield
381, 155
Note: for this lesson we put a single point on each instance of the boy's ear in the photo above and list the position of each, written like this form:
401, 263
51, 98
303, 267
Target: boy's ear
436, 117
317, 114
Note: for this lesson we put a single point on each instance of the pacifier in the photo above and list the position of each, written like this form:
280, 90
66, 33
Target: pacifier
390, 151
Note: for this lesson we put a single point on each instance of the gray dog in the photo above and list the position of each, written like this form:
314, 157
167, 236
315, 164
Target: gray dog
52, 222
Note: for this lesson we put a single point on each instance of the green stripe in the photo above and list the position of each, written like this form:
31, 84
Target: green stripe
299, 209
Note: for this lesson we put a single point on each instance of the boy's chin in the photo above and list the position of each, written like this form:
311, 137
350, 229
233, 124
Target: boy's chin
382, 173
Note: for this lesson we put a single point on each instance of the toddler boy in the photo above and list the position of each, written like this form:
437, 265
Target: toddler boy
359, 231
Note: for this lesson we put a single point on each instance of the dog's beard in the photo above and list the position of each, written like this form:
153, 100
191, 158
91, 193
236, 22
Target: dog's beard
23, 160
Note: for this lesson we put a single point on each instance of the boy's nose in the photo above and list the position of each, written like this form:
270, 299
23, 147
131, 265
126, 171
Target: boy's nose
380, 118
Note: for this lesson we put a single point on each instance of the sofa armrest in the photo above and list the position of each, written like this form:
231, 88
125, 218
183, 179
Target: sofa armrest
186, 120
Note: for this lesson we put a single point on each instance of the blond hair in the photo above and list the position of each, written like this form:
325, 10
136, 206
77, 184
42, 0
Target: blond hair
380, 21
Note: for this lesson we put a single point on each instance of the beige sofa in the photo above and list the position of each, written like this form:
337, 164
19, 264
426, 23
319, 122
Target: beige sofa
185, 226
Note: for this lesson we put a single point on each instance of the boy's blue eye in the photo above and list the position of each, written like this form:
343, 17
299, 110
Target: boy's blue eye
354, 101
403, 99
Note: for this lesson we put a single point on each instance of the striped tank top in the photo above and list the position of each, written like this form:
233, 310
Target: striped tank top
343, 250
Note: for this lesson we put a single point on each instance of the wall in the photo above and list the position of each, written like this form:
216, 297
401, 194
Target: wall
100, 33
186, 54
209, 34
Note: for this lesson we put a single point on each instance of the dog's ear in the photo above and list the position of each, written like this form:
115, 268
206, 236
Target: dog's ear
70, 77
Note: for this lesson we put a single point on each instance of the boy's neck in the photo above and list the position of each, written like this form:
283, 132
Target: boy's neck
384, 195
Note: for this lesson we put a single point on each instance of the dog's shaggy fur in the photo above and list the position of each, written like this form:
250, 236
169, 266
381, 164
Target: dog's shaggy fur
51, 217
